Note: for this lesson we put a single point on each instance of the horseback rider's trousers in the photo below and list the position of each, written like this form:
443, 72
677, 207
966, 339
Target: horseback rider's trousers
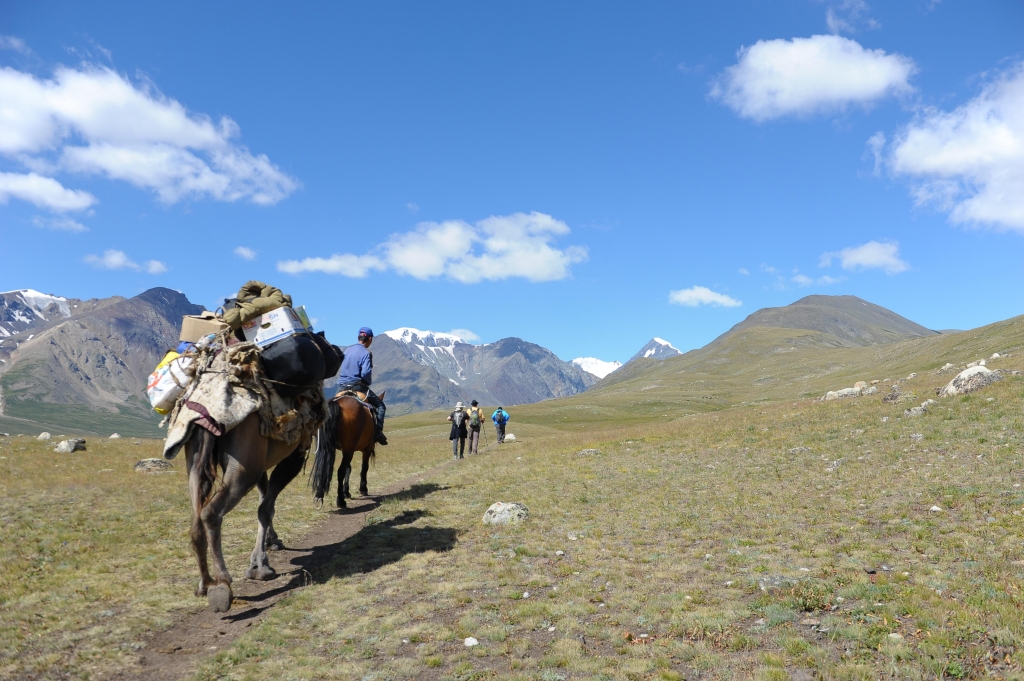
371, 399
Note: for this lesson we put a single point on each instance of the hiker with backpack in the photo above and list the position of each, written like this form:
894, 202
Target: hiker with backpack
458, 432
475, 416
500, 418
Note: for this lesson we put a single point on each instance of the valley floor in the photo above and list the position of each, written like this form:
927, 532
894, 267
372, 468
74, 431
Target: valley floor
795, 539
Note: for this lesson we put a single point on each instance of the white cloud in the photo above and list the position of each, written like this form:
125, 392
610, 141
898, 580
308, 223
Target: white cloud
872, 255
112, 260
44, 192
876, 145
465, 334
245, 253
804, 280
9, 42
498, 247
155, 267
845, 15
59, 224
804, 76
970, 161
699, 295
412, 207
92, 120
744, 271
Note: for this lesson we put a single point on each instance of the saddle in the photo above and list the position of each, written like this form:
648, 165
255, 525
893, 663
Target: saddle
361, 396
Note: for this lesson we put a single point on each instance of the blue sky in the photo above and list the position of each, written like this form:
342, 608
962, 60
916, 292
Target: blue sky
583, 178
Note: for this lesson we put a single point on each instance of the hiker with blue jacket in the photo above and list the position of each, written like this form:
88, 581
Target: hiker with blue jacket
356, 374
500, 418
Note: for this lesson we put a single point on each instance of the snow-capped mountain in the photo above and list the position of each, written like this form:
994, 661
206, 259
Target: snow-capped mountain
595, 366
656, 348
25, 309
507, 372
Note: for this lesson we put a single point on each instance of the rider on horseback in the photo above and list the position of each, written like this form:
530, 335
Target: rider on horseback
356, 374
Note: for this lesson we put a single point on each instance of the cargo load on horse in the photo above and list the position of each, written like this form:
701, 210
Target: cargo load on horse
243, 396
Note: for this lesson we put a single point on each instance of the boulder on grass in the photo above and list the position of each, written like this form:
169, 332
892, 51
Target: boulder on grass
969, 380
115, 436
842, 394
68, 446
502, 513
152, 466
44, 436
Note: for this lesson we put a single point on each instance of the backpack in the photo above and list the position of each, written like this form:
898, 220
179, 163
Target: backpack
474, 417
500, 417
457, 418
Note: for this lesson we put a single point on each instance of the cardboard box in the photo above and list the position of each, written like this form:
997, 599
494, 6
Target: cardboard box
273, 326
194, 327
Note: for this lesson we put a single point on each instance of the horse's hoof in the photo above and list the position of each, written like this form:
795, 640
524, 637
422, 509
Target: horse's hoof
347, 495
365, 492
276, 545
263, 574
219, 598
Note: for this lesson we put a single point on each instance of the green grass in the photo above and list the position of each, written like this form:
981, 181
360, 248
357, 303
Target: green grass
728, 542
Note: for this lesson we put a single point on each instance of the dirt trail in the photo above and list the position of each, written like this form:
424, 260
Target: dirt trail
175, 653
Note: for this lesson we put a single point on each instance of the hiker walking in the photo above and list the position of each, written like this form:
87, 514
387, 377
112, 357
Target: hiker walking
475, 417
458, 433
356, 374
500, 418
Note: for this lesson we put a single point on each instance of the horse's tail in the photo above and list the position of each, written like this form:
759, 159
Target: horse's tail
326, 444
205, 463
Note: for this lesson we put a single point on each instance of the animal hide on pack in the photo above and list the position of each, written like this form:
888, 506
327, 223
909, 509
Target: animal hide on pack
227, 387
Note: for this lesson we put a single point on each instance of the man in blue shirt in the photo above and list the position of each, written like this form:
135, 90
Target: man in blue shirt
356, 374
500, 418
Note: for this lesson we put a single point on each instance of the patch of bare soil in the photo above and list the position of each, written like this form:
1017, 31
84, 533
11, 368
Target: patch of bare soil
176, 652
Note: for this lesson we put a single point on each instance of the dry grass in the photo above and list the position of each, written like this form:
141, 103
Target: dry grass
667, 534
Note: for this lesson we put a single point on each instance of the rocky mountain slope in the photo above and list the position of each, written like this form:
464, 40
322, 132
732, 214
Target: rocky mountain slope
848, 320
656, 348
427, 370
88, 370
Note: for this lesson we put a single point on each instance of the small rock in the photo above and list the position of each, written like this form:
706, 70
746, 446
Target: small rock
895, 637
915, 411
759, 621
115, 436
510, 437
470, 642
928, 403
874, 382
860, 384
842, 394
946, 368
810, 622
857, 431
916, 437
935, 509
995, 355
911, 376
502, 513
551, 628
526, 594
770, 582
152, 466
44, 436
729, 583
873, 390
799, 450
588, 452
559, 553
68, 446
885, 419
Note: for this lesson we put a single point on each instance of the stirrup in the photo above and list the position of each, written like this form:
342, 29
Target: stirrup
381, 439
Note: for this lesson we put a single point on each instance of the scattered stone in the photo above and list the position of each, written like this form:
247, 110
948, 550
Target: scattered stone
977, 363
894, 394
860, 384
874, 382
929, 402
885, 419
799, 450
946, 368
44, 436
502, 513
895, 637
857, 431
935, 509
115, 436
841, 394
559, 553
969, 380
995, 355
770, 582
588, 452
68, 446
914, 375
510, 437
810, 622
526, 594
152, 466
915, 411
470, 642
916, 437
873, 390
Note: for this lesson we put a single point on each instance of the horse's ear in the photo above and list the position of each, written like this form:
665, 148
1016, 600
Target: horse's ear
381, 396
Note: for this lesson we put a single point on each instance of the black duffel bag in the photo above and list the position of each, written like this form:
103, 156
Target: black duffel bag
293, 365
333, 355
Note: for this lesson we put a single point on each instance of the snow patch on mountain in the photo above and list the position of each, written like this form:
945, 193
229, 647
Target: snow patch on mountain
41, 302
407, 334
595, 366
432, 348
657, 348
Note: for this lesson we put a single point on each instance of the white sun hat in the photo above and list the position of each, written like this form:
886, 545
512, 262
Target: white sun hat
459, 405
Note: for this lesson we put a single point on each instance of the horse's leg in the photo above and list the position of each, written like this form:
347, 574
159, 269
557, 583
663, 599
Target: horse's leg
236, 484
198, 531
343, 472
284, 472
367, 455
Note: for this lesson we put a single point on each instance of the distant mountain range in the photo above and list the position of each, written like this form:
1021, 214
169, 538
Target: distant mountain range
656, 348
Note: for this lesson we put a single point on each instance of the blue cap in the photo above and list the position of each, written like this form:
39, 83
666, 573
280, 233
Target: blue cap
366, 331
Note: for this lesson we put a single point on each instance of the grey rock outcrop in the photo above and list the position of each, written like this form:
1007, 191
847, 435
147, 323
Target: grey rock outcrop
969, 380
842, 394
502, 513
44, 436
152, 466
69, 446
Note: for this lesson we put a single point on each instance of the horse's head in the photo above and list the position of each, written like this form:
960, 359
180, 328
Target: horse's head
381, 396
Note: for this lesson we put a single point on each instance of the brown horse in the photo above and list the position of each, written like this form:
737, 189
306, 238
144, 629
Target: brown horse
350, 428
244, 456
